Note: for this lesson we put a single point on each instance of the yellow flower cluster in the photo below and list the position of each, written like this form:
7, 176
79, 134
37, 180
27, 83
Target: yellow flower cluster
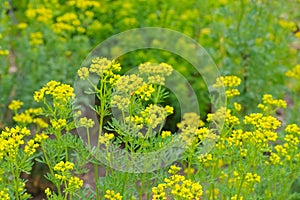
270, 104
223, 114
261, 122
104, 139
252, 178
154, 115
190, 127
292, 141
29, 116
22, 25
178, 187
85, 122
165, 134
15, 105
64, 166
232, 92
155, 73
40, 14
33, 144
112, 195
68, 22
120, 102
292, 128
11, 139
83, 4
174, 169
294, 73
290, 25
75, 182
4, 195
83, 73
63, 175
274, 159
36, 39
190, 121
60, 93
228, 82
4, 52
58, 124
237, 106
145, 91
128, 84
204, 158
104, 67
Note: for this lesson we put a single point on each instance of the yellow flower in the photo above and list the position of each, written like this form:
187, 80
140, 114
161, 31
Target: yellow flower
58, 124
252, 178
112, 195
103, 66
36, 39
22, 25
85, 122
75, 182
145, 91
64, 166
294, 73
120, 102
15, 105
48, 192
83, 73
60, 93
232, 93
155, 73
104, 139
4, 195
169, 109
237, 106
40, 123
4, 52
174, 169
165, 134
205, 31
292, 128
227, 81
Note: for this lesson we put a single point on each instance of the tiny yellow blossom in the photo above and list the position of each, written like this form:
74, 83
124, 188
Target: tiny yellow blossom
15, 105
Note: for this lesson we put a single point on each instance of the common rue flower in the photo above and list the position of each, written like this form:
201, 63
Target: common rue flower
169, 109
292, 128
64, 166
103, 66
294, 73
165, 134
104, 139
85, 122
227, 81
237, 106
15, 105
4, 195
112, 195
36, 39
60, 93
58, 124
155, 73
75, 182
83, 73
145, 91
252, 178
174, 169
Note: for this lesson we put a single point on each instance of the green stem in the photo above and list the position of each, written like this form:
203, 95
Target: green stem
96, 177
